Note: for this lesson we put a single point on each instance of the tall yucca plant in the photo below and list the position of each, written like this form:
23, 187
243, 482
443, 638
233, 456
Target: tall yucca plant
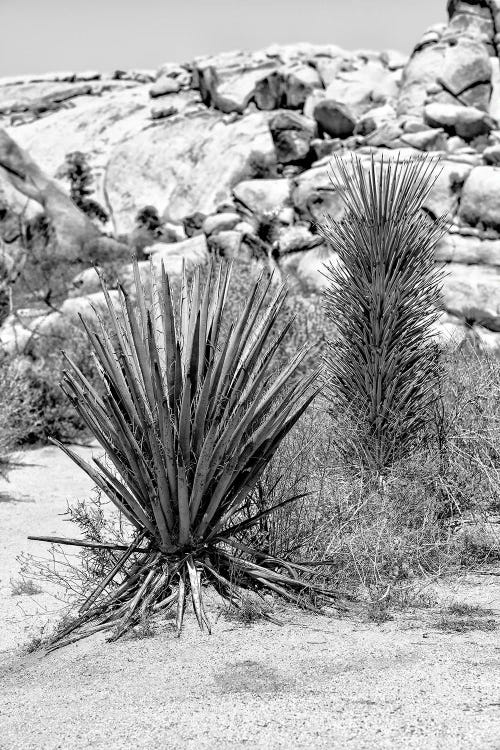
383, 297
192, 413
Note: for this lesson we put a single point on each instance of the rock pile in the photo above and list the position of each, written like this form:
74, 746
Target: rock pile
236, 149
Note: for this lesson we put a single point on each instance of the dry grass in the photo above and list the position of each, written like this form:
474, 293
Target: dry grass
24, 587
461, 617
386, 543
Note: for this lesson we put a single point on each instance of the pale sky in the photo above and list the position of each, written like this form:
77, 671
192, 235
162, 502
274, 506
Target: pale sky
58, 35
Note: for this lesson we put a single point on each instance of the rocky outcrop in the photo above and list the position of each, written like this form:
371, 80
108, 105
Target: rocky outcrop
480, 202
234, 152
177, 165
76, 236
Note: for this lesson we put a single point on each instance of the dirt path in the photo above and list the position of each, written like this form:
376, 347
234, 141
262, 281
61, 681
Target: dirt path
315, 682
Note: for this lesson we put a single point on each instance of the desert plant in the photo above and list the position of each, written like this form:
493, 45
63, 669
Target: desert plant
77, 170
148, 218
14, 392
384, 367
192, 414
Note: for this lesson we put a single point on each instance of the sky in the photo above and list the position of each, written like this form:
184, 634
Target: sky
74, 35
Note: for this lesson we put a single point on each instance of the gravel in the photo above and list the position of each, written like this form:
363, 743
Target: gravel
314, 682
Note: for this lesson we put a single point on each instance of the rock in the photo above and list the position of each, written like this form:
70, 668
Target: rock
262, 196
220, 222
163, 111
324, 148
193, 252
295, 238
299, 81
462, 70
451, 330
487, 341
364, 87
76, 236
314, 196
455, 144
393, 59
226, 243
311, 268
334, 118
413, 125
375, 118
177, 165
494, 106
286, 215
19, 331
444, 196
73, 307
456, 248
466, 122
491, 155
139, 76
14, 336
311, 102
328, 67
86, 282
387, 134
244, 227
176, 72
292, 134
230, 81
174, 232
473, 293
193, 223
480, 198
426, 140
163, 86
473, 18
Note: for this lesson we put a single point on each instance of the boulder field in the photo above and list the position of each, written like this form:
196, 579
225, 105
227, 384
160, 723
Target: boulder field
221, 144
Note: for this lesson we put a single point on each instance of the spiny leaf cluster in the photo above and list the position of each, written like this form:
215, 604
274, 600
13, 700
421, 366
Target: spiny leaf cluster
191, 414
383, 297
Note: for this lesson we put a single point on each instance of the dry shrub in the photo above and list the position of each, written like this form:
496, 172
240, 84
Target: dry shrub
14, 390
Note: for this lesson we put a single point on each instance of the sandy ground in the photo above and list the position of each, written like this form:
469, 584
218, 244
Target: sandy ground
314, 682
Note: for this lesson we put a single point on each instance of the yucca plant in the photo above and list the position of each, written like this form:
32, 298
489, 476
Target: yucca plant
192, 411
383, 369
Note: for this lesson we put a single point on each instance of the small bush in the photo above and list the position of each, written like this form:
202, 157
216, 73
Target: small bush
248, 610
77, 170
14, 393
24, 587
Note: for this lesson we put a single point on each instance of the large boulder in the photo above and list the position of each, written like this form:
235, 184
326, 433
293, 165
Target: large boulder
315, 196
293, 239
76, 237
311, 269
444, 197
334, 118
450, 69
470, 250
220, 222
262, 196
300, 80
192, 252
466, 122
292, 135
226, 243
230, 81
177, 165
19, 330
366, 85
480, 202
473, 293
163, 86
